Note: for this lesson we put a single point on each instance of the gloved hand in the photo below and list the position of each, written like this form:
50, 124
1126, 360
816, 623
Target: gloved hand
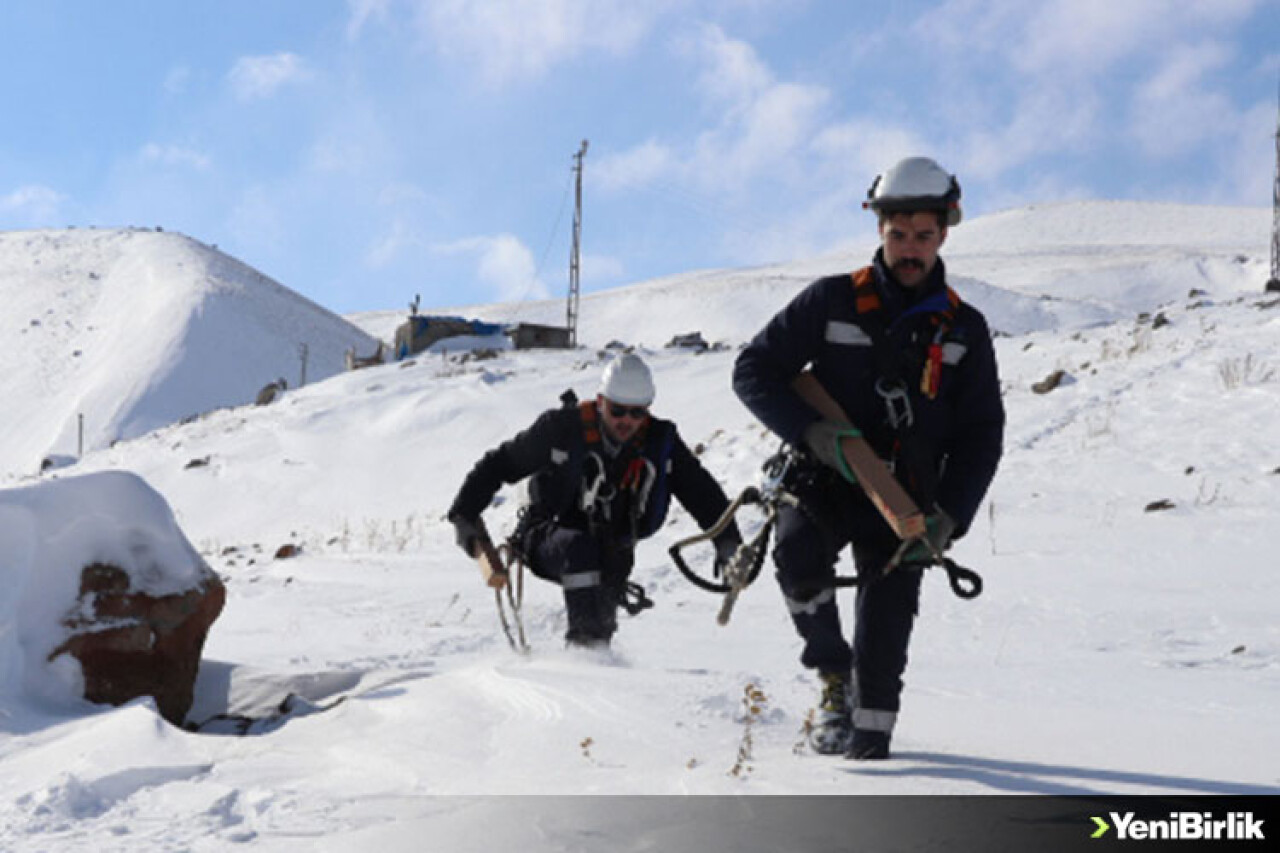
469, 532
938, 528
823, 438
727, 544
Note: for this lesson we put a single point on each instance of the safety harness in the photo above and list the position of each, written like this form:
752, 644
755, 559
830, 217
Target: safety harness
633, 473
896, 371
635, 476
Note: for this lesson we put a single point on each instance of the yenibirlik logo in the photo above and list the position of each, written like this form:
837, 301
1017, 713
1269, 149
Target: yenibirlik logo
1182, 826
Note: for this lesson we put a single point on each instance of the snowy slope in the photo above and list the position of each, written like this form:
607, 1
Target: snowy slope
1115, 650
137, 329
1053, 266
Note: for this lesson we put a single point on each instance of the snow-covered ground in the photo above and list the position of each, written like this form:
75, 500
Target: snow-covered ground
1115, 650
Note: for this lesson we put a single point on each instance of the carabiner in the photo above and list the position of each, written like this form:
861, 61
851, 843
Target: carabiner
896, 403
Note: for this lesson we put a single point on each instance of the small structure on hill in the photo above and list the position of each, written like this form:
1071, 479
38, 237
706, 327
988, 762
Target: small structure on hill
356, 362
535, 336
420, 331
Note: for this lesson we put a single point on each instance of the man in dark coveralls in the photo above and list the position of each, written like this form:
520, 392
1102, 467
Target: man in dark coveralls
914, 369
602, 475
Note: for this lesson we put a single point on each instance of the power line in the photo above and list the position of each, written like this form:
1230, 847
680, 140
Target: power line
555, 229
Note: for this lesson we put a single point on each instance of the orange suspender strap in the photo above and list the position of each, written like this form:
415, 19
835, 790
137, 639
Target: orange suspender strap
865, 297
590, 426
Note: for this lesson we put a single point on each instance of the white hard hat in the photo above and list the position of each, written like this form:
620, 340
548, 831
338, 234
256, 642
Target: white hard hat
916, 183
627, 380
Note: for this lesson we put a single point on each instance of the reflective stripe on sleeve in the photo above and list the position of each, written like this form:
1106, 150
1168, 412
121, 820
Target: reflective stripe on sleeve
847, 333
809, 607
871, 720
952, 352
580, 580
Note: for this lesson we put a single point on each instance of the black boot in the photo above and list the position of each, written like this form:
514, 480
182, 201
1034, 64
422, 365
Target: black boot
868, 745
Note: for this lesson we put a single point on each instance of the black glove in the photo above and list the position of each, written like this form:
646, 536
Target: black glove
823, 438
727, 544
470, 532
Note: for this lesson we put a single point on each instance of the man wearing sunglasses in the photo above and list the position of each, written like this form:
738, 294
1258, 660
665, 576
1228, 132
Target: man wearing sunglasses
601, 477
913, 367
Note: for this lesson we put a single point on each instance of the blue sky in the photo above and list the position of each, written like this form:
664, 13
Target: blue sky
365, 151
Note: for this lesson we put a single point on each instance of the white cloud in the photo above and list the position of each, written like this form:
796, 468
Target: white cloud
1176, 108
515, 40
1074, 38
638, 166
32, 202
732, 71
258, 77
764, 123
765, 137
759, 126
863, 147
388, 247
174, 156
502, 262
1240, 181
1073, 79
1046, 122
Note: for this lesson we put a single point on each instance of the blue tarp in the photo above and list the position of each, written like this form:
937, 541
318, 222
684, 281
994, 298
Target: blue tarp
422, 330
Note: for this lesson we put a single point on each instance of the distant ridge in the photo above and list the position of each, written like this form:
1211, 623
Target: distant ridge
1029, 268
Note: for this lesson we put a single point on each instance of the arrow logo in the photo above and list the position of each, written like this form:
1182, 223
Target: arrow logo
1103, 826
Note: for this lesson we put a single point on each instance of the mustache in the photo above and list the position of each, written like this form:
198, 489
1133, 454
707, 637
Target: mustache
909, 263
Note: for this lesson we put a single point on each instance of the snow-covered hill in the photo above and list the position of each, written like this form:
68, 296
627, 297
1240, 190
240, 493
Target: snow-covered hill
1052, 266
131, 330
1117, 648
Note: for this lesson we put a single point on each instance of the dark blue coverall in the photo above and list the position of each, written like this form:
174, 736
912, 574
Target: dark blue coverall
955, 444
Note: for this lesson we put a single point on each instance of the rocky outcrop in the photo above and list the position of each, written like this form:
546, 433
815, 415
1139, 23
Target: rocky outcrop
131, 644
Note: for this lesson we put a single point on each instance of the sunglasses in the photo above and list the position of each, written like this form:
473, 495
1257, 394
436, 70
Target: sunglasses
636, 412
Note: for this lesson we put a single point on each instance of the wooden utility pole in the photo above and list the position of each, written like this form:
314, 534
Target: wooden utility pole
575, 252
1274, 283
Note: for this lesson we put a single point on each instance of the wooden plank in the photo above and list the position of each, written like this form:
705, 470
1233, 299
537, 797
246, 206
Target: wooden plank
874, 476
491, 567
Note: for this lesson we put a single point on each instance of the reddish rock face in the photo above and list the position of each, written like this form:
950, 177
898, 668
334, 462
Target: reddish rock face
131, 644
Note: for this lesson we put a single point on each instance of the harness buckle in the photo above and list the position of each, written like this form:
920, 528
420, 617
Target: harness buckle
896, 403
597, 493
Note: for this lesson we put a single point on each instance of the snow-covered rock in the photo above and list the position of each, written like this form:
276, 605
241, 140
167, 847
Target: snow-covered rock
96, 571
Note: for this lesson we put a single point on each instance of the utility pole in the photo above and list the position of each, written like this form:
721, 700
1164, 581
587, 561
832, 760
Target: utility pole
1274, 284
304, 352
574, 255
